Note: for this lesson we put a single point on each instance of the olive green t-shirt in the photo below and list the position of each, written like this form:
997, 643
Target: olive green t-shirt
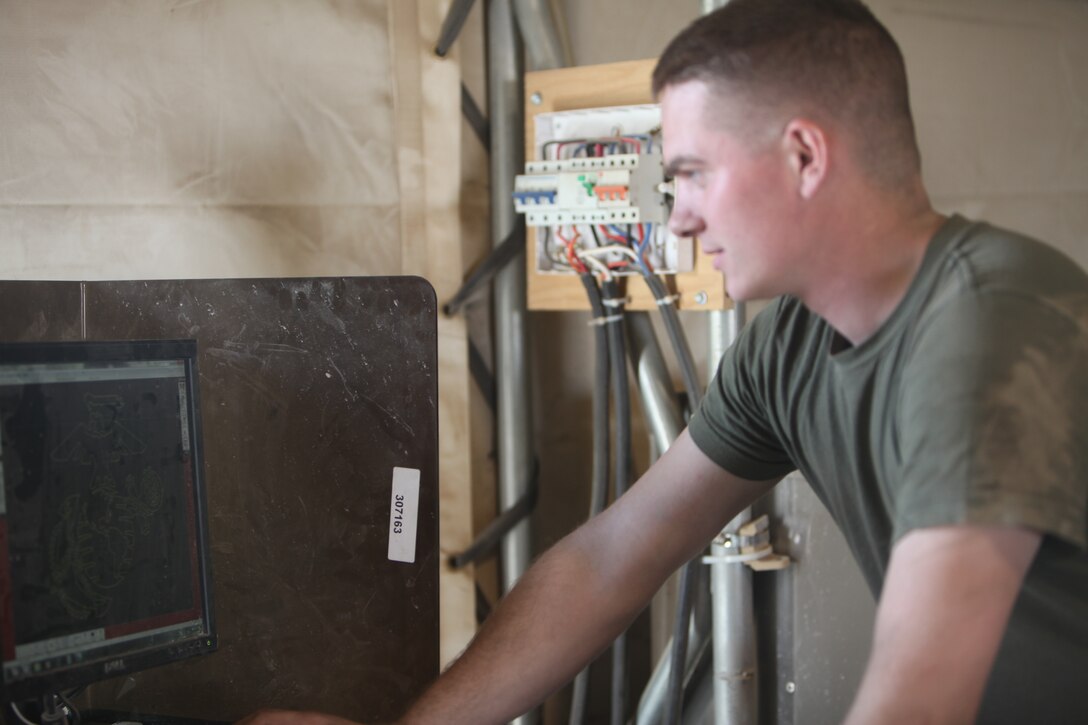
969, 404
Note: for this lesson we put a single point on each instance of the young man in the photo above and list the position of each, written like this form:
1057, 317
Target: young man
928, 375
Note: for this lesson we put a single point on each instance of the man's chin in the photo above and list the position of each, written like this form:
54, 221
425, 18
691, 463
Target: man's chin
738, 292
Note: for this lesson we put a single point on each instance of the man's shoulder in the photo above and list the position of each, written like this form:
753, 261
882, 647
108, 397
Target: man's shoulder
984, 257
975, 266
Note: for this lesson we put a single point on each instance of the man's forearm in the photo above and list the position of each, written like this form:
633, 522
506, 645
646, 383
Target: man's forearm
560, 615
945, 605
582, 593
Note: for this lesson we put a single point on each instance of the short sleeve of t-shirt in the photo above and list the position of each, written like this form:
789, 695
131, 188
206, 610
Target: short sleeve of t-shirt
993, 417
731, 425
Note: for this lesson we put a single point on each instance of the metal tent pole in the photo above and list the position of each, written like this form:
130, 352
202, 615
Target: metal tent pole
514, 415
659, 403
736, 700
543, 37
545, 50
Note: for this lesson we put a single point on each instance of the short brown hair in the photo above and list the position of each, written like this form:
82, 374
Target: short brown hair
828, 58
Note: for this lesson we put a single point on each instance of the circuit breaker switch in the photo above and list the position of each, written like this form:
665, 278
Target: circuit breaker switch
588, 183
611, 193
535, 192
537, 198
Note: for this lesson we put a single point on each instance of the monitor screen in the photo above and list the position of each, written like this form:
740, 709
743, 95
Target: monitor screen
103, 536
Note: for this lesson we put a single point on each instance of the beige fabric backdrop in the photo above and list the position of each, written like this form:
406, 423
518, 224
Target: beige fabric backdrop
197, 139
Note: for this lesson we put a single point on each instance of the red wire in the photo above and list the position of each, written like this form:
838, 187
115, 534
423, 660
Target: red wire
571, 256
611, 236
574, 261
626, 139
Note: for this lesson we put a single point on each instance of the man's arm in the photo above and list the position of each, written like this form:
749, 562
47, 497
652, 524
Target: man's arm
583, 592
943, 611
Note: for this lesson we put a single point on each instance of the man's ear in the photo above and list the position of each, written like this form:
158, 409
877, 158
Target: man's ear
805, 146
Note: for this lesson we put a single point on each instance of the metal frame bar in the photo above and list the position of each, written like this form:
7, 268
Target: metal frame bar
514, 414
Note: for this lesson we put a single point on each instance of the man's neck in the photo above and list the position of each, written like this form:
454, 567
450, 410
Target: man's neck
875, 263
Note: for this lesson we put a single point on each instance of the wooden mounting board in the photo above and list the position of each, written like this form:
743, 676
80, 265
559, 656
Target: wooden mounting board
601, 86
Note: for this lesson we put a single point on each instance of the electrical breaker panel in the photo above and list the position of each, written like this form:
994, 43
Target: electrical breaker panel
597, 190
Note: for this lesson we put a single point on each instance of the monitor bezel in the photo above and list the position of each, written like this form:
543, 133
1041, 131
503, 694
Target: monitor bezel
151, 655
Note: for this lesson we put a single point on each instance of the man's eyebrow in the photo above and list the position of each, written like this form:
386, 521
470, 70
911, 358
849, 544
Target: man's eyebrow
679, 162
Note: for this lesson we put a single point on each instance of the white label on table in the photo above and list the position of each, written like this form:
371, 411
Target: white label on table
403, 512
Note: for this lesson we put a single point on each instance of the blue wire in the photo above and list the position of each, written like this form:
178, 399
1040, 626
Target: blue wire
641, 249
644, 137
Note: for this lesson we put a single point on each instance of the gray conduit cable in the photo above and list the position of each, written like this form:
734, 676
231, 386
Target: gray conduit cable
621, 469
599, 488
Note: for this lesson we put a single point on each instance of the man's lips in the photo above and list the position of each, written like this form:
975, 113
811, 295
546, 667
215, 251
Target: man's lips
716, 254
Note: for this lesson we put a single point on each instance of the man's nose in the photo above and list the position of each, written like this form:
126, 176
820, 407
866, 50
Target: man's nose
683, 221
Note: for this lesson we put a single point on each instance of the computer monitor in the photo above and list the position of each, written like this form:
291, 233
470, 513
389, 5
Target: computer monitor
104, 561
